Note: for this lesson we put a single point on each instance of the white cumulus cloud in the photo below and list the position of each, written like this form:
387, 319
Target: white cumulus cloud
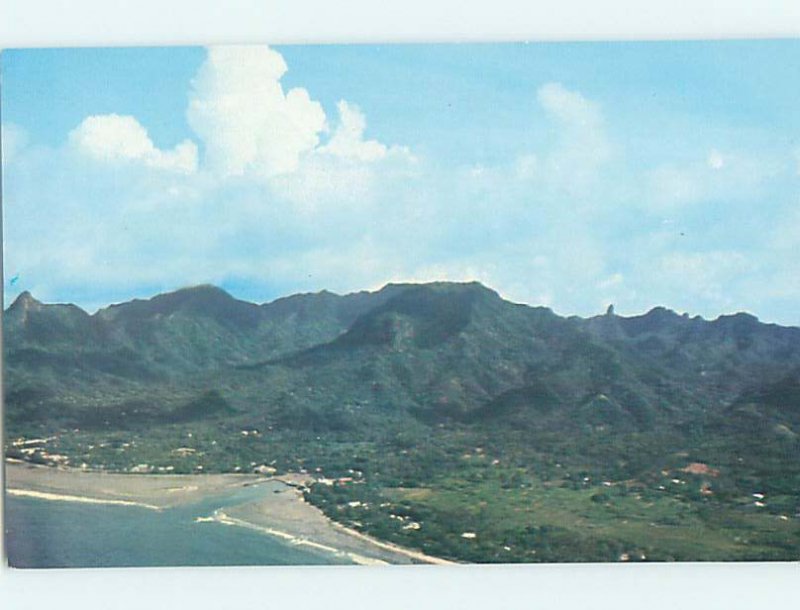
115, 138
249, 124
347, 170
347, 141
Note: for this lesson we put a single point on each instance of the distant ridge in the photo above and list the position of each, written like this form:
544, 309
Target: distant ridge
201, 295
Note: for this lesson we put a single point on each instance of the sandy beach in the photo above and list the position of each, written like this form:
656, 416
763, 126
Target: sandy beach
287, 515
282, 514
151, 491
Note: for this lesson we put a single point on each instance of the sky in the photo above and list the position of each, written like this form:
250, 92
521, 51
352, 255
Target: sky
570, 175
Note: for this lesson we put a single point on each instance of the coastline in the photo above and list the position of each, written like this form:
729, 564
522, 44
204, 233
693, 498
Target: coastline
221, 517
43, 495
158, 492
283, 514
287, 515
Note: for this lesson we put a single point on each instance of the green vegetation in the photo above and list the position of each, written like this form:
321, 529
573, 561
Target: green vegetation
437, 416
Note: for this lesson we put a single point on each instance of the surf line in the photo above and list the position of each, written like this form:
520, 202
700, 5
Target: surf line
43, 495
220, 517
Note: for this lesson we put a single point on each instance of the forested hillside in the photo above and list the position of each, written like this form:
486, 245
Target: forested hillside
438, 416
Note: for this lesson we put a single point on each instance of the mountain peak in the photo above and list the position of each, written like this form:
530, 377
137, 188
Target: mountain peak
659, 316
661, 312
740, 317
441, 287
736, 323
190, 295
426, 314
25, 300
205, 300
201, 290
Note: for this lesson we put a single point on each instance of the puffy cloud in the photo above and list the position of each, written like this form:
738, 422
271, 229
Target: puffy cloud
295, 201
347, 171
114, 138
248, 123
254, 129
347, 141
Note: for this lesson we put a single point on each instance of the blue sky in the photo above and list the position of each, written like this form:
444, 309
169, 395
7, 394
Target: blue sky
569, 175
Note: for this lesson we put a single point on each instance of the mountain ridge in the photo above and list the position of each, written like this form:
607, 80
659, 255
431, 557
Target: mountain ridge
441, 391
26, 296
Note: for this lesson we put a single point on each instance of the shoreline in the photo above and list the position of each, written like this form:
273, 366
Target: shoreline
44, 495
336, 538
221, 517
283, 514
157, 492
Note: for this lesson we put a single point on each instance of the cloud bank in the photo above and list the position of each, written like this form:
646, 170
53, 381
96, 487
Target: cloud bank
271, 195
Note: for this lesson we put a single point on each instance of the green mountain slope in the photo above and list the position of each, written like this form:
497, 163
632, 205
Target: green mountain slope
442, 388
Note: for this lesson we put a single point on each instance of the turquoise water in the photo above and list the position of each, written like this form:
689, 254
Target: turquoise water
50, 534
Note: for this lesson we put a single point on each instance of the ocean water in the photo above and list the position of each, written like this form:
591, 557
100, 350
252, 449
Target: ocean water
52, 533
